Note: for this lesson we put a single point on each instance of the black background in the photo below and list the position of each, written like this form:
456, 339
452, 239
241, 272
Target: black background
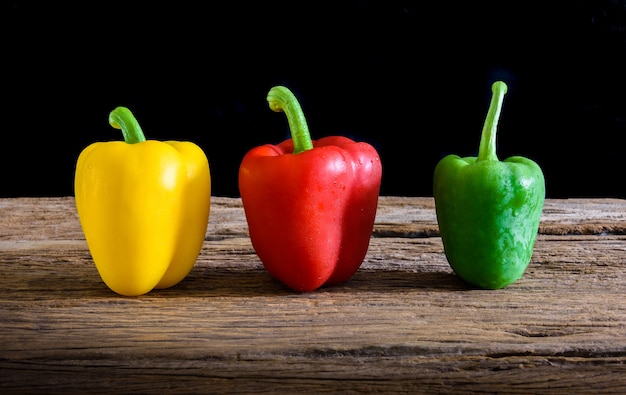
412, 78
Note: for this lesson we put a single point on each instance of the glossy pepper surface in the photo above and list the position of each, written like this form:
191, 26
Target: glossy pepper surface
143, 206
310, 205
489, 210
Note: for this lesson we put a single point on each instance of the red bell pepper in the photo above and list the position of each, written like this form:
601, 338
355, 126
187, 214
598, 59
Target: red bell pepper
310, 205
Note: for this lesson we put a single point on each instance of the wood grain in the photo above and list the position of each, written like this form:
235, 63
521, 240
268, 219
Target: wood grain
403, 324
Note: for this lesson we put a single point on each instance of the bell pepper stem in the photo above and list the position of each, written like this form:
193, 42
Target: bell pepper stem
487, 149
122, 118
282, 99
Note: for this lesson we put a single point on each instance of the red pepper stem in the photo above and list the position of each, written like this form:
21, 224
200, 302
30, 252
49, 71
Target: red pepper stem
281, 99
122, 118
487, 150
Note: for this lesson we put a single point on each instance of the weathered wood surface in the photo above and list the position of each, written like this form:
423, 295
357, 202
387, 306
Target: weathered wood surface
403, 324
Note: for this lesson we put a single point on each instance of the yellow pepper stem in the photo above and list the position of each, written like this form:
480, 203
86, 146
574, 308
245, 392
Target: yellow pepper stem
122, 118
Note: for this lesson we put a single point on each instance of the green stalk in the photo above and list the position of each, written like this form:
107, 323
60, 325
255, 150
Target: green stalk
281, 99
487, 149
122, 118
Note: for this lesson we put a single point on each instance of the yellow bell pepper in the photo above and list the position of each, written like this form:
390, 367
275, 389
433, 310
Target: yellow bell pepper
143, 207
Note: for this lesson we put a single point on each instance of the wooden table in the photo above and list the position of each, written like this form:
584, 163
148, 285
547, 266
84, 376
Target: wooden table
404, 323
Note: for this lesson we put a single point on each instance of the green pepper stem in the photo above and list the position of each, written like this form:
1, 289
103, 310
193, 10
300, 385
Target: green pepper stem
281, 99
122, 118
487, 150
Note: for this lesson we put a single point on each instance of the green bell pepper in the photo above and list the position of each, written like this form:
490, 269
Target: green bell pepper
488, 211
